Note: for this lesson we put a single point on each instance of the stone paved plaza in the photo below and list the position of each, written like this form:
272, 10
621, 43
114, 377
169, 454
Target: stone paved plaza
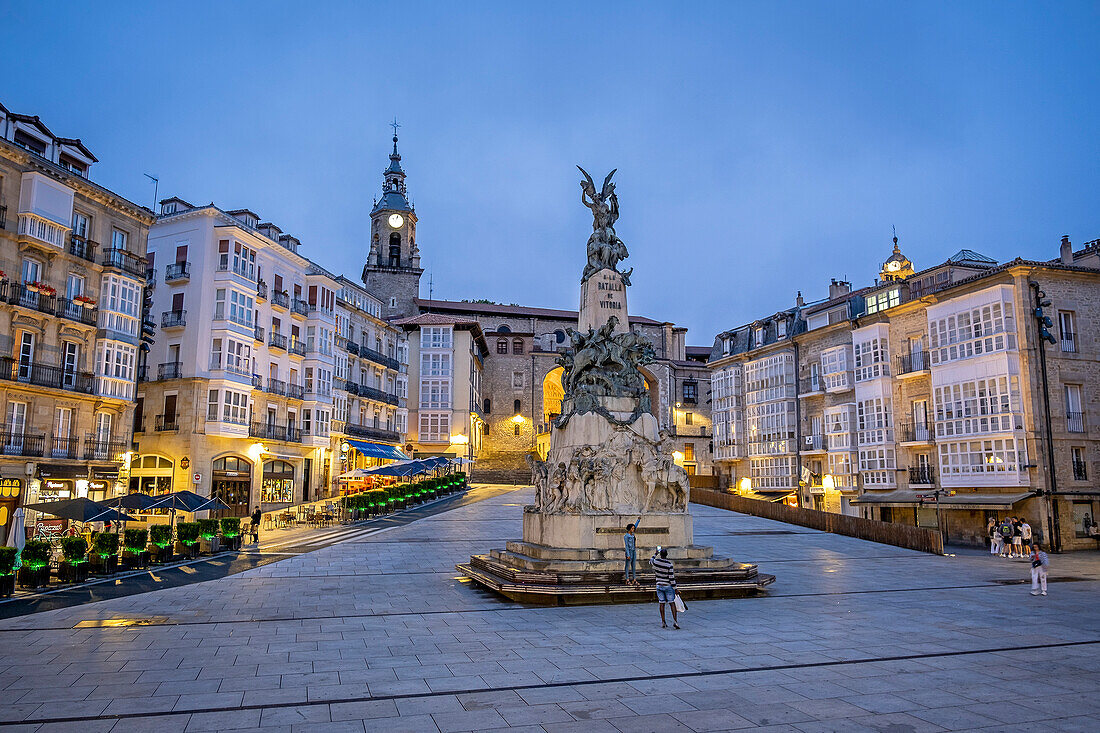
379, 633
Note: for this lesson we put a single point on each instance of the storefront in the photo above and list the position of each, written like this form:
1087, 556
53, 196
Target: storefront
277, 486
11, 489
151, 475
233, 485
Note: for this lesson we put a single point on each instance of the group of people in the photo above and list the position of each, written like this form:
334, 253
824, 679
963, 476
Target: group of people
664, 573
1012, 537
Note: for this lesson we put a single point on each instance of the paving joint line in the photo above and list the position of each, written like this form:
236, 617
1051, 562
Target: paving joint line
553, 685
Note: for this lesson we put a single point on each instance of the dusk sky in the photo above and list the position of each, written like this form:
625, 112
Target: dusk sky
761, 148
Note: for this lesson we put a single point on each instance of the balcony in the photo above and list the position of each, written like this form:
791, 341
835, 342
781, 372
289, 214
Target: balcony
299, 307
257, 381
177, 271
170, 370
376, 394
46, 375
1075, 422
65, 448
917, 432
813, 443
29, 296
295, 391
922, 476
297, 347
363, 431
347, 385
80, 311
273, 431
82, 248
143, 373
166, 424
810, 386
276, 386
379, 358
351, 346
277, 341
912, 364
261, 290
173, 319
1080, 473
15, 441
258, 334
1069, 341
280, 299
36, 227
100, 449
128, 262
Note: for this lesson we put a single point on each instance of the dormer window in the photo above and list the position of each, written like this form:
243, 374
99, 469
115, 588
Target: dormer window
758, 336
73, 165
33, 144
780, 328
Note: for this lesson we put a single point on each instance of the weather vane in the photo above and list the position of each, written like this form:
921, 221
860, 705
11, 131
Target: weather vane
395, 125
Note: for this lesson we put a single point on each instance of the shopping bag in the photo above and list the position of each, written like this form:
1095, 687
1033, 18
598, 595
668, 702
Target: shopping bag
680, 605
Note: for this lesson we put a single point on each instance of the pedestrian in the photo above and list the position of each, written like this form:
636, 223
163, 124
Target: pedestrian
998, 541
1017, 538
1006, 536
254, 527
991, 531
1025, 535
630, 546
1040, 563
665, 575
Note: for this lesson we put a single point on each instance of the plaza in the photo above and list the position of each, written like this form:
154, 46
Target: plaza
380, 633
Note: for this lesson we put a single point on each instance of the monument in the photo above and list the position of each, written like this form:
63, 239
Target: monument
608, 465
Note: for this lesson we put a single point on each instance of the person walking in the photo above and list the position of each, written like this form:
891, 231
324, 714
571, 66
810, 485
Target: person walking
991, 531
254, 527
630, 546
1040, 563
1025, 535
666, 584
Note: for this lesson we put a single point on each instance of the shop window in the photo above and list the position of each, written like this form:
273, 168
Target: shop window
278, 483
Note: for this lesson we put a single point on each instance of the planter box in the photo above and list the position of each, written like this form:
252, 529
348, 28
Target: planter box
7, 585
158, 554
67, 573
133, 560
99, 565
210, 546
35, 578
187, 552
232, 543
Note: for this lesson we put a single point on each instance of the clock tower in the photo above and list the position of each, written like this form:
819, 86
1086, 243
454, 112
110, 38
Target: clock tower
393, 271
897, 266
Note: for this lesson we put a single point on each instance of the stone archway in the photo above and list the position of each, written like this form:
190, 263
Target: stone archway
552, 394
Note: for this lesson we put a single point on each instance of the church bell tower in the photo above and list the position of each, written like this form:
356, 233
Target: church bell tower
393, 271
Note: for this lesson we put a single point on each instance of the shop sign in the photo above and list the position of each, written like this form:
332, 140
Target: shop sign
10, 487
62, 472
53, 484
98, 485
105, 474
49, 528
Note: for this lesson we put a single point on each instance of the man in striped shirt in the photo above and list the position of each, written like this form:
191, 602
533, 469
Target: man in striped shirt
666, 584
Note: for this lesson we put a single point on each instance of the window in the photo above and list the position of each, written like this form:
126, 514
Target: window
1080, 472
435, 365
235, 407
62, 432
395, 250
1075, 417
488, 405
517, 346
882, 301
780, 328
758, 336
26, 353
834, 368
435, 427
502, 346
119, 304
877, 466
119, 239
115, 363
689, 451
691, 392
1067, 325
435, 393
976, 406
871, 359
80, 225
992, 456
74, 286
103, 422
70, 362
17, 425
977, 330
517, 407
689, 418
212, 405
435, 337
32, 270
875, 421
240, 307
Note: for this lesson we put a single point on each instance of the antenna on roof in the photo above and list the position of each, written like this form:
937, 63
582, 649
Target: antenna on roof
156, 187
431, 284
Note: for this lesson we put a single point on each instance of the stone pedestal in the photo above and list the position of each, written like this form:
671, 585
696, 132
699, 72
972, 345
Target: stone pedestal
603, 295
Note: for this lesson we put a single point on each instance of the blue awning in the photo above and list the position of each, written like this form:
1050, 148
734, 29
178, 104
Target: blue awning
378, 450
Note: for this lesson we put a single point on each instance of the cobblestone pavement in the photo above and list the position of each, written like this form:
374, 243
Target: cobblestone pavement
379, 633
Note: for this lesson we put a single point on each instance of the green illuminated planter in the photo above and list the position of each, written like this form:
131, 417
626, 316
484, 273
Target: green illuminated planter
103, 559
36, 565
231, 532
160, 543
7, 570
187, 539
74, 568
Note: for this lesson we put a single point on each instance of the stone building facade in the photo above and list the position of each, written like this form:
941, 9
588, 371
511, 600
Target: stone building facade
72, 270
920, 399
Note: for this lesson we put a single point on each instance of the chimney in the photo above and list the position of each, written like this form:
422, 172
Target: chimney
1066, 250
799, 300
838, 288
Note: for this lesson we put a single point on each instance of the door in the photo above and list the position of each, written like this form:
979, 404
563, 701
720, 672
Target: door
70, 362
233, 492
169, 411
307, 473
62, 433
26, 355
920, 420
916, 354
17, 425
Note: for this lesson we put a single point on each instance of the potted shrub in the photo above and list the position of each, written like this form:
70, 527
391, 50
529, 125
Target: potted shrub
231, 532
134, 554
376, 501
74, 568
36, 564
7, 570
208, 536
187, 539
160, 542
104, 555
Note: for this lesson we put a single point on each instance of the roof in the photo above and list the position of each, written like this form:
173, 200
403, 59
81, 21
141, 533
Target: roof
436, 319
698, 350
911, 497
392, 200
235, 212
969, 255
32, 120
75, 142
514, 310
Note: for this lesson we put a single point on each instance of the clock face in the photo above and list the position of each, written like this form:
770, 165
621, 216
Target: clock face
893, 266
396, 220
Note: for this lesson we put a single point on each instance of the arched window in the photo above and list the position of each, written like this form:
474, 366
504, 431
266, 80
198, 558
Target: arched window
559, 336
517, 346
503, 329
516, 406
395, 250
502, 346
278, 483
488, 404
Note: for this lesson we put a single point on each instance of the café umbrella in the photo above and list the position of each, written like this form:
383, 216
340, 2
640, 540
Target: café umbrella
136, 500
184, 501
213, 504
17, 538
80, 509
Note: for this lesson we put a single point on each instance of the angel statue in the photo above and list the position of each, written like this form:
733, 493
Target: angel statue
605, 249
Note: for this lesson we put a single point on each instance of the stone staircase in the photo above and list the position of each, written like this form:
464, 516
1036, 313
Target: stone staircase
514, 476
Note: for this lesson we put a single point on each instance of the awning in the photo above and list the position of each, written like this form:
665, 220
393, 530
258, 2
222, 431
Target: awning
910, 498
378, 450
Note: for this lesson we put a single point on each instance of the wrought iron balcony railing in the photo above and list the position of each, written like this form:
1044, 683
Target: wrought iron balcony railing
46, 375
170, 370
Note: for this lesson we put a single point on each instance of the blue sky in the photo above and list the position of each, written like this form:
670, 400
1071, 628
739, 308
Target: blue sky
762, 148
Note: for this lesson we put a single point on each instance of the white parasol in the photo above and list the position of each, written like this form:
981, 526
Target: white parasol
17, 537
